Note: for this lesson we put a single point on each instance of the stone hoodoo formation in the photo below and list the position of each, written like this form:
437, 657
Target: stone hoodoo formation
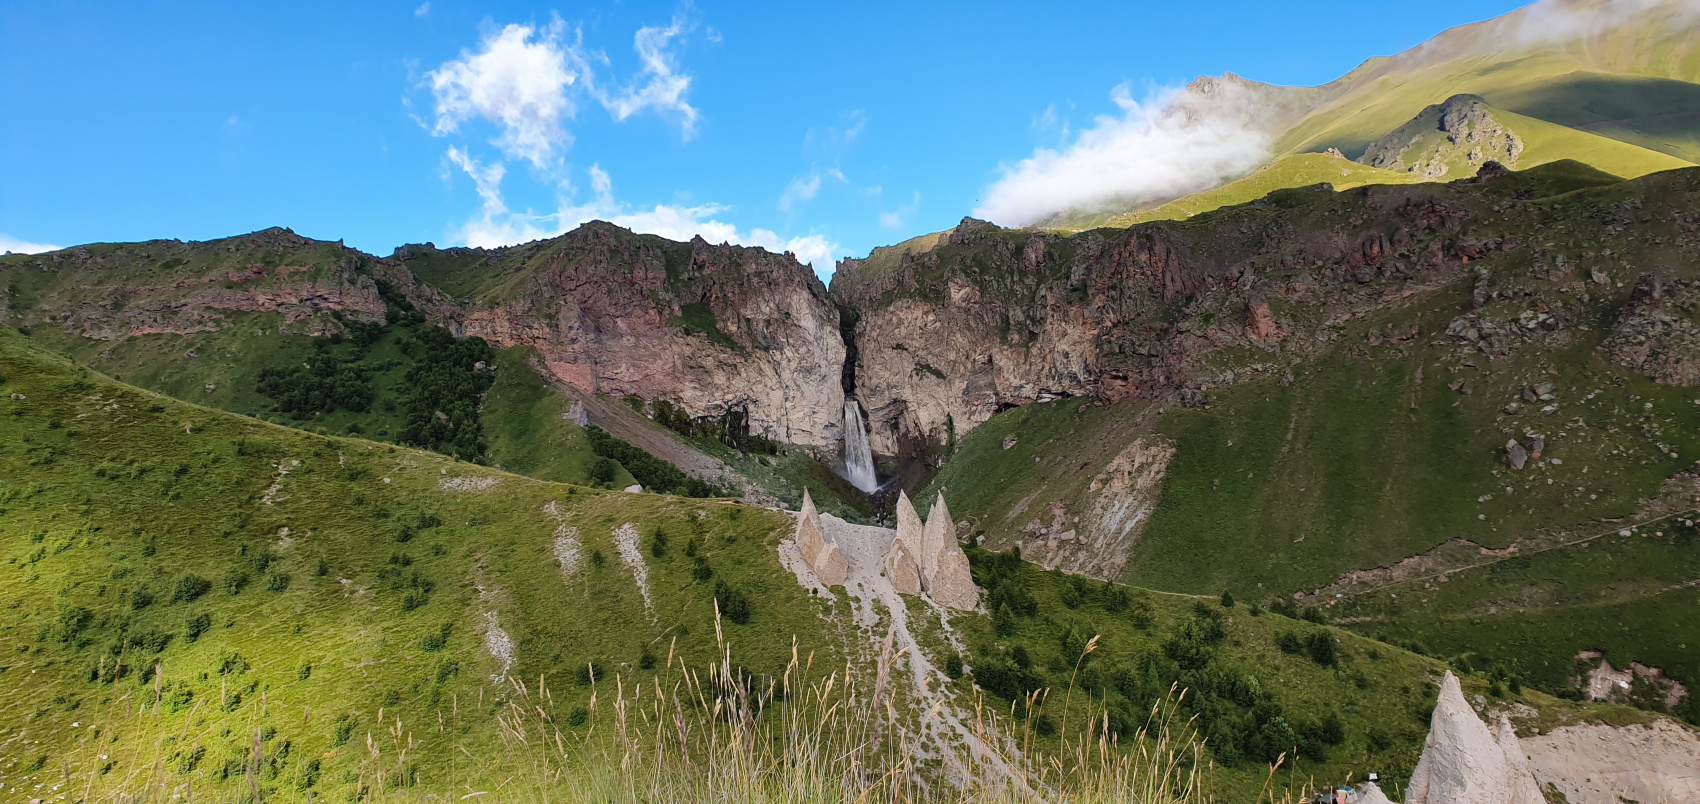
823, 557
926, 559
1464, 762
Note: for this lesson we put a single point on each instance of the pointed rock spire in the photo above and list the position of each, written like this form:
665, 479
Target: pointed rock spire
949, 580
822, 556
902, 561
1463, 762
1523, 788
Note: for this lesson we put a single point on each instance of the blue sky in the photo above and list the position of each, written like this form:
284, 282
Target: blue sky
825, 129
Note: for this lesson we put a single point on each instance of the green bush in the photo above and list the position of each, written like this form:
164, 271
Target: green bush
734, 604
190, 588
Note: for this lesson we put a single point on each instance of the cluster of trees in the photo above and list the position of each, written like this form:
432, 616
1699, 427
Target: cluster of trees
327, 382
441, 393
652, 472
438, 397
1242, 721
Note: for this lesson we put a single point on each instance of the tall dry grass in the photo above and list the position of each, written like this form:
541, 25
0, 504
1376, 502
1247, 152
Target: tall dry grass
714, 734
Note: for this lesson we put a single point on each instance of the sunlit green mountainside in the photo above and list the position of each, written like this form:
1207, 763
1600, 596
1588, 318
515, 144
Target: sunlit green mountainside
1615, 86
206, 602
320, 336
1367, 455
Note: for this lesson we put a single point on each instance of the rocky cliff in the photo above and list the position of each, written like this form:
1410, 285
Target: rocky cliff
716, 331
992, 318
709, 329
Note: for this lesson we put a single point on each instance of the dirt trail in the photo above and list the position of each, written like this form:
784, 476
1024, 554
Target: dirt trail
948, 724
622, 422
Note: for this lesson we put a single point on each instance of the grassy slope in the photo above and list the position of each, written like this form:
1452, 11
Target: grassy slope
523, 420
1549, 142
1384, 93
1295, 170
109, 491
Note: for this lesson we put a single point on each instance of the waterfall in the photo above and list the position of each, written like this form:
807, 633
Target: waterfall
858, 458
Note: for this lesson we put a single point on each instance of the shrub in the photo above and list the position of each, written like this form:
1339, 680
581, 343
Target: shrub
344, 729
438, 639
190, 588
1114, 598
603, 471
1227, 599
233, 581
953, 666
140, 599
278, 581
195, 626
646, 660
733, 604
1003, 620
658, 544
1321, 648
1289, 642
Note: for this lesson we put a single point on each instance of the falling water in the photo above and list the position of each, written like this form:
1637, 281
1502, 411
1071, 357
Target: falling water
858, 458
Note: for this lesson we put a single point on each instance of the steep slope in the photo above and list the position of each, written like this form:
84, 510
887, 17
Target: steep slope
1612, 85
376, 619
181, 573
1452, 449
738, 347
1564, 54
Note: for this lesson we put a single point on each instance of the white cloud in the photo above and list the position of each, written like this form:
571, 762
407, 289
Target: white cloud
526, 79
16, 246
422, 10
805, 188
660, 85
1557, 21
1174, 143
517, 82
894, 219
496, 225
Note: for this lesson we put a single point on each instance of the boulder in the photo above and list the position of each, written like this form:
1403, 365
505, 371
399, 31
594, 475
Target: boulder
1370, 793
1515, 455
1463, 762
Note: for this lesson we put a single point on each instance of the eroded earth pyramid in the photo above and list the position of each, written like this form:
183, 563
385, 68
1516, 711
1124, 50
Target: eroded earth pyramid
1464, 763
926, 558
823, 557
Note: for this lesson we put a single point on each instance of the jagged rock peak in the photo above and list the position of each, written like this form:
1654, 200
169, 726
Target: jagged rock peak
949, 579
1463, 762
828, 563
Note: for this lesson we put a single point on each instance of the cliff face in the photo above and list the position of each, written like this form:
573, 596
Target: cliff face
993, 318
706, 328
709, 329
115, 291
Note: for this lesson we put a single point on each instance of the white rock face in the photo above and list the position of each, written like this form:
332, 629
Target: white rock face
1596, 763
926, 558
1464, 763
823, 557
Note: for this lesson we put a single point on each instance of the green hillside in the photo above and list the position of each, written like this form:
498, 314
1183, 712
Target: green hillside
208, 602
1296, 170
1625, 99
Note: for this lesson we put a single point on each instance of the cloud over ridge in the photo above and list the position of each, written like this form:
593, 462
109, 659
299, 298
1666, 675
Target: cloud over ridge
1175, 142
